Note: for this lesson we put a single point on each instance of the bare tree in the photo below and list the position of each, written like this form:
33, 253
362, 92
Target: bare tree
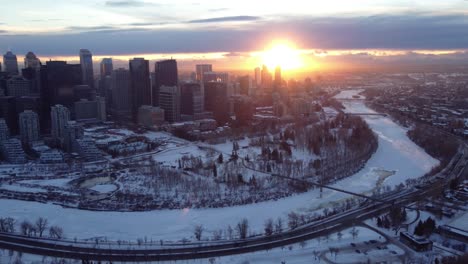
279, 225
339, 235
354, 232
7, 225
56, 232
41, 225
230, 232
243, 228
26, 228
269, 227
198, 231
293, 220
217, 234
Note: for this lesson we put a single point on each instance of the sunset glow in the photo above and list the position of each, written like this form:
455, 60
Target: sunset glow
284, 55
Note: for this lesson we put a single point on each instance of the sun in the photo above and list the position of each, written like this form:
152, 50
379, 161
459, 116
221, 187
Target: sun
283, 55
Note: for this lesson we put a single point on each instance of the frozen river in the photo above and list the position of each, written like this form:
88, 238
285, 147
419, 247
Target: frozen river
396, 159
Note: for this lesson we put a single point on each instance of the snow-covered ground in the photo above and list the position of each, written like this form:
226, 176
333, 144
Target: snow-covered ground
397, 159
104, 188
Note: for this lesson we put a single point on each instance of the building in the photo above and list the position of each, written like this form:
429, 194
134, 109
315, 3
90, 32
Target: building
86, 62
101, 108
121, 95
9, 113
32, 75
88, 150
18, 86
31, 61
416, 243
191, 100
85, 109
169, 101
4, 131
266, 78
278, 79
51, 156
83, 91
245, 85
201, 69
150, 116
73, 131
258, 77
29, 127
216, 100
58, 80
60, 115
222, 77
106, 67
12, 151
11, 63
140, 86
165, 75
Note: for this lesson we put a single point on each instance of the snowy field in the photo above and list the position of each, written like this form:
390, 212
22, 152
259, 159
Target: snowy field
396, 159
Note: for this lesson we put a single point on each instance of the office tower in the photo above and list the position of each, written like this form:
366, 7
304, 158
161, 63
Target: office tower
165, 75
86, 62
216, 101
60, 115
32, 75
169, 101
4, 131
278, 79
9, 113
11, 63
0, 67
258, 77
245, 85
140, 87
83, 91
266, 78
29, 127
222, 77
18, 86
72, 132
31, 61
121, 96
106, 67
58, 80
201, 69
30, 102
150, 116
101, 108
191, 100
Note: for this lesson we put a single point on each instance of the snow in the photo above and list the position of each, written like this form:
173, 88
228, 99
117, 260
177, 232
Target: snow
396, 159
18, 188
55, 182
104, 188
461, 222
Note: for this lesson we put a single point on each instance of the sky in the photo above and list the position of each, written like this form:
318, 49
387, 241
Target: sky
231, 33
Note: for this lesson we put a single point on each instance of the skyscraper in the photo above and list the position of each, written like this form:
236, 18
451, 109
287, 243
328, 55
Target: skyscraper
191, 100
4, 131
215, 77
18, 86
31, 61
11, 63
278, 79
216, 101
258, 77
169, 100
165, 74
201, 69
266, 77
29, 127
60, 115
121, 96
140, 87
86, 62
106, 67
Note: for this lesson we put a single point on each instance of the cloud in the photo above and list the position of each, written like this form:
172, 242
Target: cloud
218, 9
226, 19
3, 31
78, 28
126, 3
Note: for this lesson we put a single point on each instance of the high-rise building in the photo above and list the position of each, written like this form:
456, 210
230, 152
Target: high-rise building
73, 131
86, 62
140, 86
258, 77
201, 69
18, 86
9, 113
169, 101
60, 115
31, 61
266, 78
191, 100
106, 67
32, 75
121, 95
12, 151
11, 63
245, 85
278, 79
222, 77
4, 131
29, 127
83, 91
165, 75
150, 116
101, 108
216, 100
58, 80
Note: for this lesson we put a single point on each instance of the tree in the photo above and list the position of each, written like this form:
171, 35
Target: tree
41, 225
26, 228
293, 220
269, 227
339, 235
7, 225
220, 158
279, 225
229, 232
198, 231
56, 232
243, 228
354, 232
215, 171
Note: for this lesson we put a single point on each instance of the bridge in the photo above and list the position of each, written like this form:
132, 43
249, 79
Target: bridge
367, 114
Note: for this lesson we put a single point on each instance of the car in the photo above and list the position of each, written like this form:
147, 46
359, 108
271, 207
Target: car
358, 251
353, 245
373, 241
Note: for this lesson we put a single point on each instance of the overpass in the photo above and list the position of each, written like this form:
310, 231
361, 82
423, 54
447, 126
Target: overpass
366, 114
